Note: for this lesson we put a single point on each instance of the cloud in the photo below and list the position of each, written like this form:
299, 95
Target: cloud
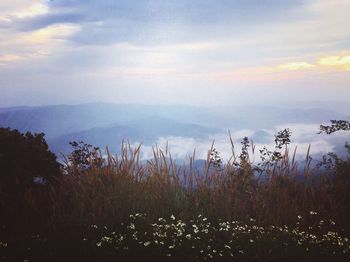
337, 62
9, 58
303, 135
340, 62
296, 66
175, 48
149, 21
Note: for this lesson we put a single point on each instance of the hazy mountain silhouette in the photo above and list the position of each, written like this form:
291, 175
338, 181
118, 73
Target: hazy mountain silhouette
107, 124
145, 131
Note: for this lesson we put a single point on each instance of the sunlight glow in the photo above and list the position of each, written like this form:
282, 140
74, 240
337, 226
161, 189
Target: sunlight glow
58, 31
296, 66
342, 62
33, 10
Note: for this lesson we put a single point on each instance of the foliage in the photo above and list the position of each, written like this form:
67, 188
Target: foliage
83, 155
141, 237
234, 190
278, 194
24, 157
28, 170
215, 159
338, 167
282, 139
336, 125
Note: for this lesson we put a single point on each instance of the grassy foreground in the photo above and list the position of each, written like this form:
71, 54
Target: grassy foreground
119, 208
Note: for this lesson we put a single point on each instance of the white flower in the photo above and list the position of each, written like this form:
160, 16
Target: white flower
147, 243
172, 217
131, 226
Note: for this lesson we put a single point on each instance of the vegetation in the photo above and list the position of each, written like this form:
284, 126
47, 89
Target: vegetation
103, 208
28, 172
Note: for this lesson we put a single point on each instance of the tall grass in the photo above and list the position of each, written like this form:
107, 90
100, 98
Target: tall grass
276, 192
119, 207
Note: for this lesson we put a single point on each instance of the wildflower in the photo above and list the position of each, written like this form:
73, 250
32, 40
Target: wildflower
172, 217
188, 236
313, 213
98, 244
179, 233
106, 239
299, 217
131, 226
147, 243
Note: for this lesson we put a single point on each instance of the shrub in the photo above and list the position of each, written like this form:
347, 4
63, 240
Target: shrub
28, 171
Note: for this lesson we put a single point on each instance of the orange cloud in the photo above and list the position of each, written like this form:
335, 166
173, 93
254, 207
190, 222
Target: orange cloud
8, 58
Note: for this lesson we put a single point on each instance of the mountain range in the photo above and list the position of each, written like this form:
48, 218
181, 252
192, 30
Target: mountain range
104, 124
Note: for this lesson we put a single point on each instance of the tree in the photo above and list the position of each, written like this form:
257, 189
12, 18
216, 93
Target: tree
83, 157
336, 125
25, 160
28, 172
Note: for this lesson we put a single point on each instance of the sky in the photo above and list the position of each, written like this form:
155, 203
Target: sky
195, 52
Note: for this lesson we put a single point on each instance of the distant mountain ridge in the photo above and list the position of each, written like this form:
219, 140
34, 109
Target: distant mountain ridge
107, 124
145, 131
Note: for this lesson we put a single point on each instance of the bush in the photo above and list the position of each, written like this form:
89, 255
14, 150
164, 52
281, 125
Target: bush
28, 171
